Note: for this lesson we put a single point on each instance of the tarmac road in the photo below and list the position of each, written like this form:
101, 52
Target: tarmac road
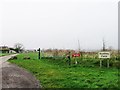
12, 76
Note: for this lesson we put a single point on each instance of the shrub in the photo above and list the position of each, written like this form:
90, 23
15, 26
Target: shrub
46, 57
26, 57
116, 64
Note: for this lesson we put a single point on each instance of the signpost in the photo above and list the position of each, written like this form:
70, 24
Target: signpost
104, 55
39, 53
76, 55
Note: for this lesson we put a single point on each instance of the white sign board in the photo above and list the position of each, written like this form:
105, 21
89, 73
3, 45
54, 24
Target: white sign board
104, 54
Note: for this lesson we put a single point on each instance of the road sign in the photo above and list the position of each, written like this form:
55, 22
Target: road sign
104, 54
76, 55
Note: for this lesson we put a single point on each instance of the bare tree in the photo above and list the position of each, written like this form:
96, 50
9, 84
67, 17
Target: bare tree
104, 46
18, 47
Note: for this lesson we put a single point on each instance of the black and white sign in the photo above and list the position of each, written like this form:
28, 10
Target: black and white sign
104, 54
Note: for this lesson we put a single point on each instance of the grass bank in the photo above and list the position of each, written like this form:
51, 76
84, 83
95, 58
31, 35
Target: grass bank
55, 74
4, 54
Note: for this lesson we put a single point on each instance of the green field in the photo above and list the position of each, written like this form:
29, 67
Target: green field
58, 74
4, 54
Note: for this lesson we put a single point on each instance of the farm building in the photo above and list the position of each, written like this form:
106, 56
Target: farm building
4, 49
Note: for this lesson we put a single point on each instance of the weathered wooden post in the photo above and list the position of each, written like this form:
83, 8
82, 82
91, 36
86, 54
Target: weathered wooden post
69, 59
39, 53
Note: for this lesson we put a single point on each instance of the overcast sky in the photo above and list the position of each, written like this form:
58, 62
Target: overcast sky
59, 23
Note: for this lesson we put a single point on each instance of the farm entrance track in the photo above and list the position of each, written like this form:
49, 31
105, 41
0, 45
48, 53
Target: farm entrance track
12, 76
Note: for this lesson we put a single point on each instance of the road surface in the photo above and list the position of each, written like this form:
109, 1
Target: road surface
12, 76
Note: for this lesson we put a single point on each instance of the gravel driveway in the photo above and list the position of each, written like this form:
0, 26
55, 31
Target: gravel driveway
12, 76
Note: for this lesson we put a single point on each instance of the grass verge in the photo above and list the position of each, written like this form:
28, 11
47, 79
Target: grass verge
54, 74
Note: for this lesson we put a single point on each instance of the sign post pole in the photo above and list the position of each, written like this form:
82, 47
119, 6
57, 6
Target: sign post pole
108, 63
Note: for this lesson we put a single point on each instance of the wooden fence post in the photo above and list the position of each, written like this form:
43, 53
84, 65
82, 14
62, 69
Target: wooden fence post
39, 53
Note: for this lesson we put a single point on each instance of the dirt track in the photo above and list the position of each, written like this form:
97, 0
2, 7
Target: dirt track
16, 77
